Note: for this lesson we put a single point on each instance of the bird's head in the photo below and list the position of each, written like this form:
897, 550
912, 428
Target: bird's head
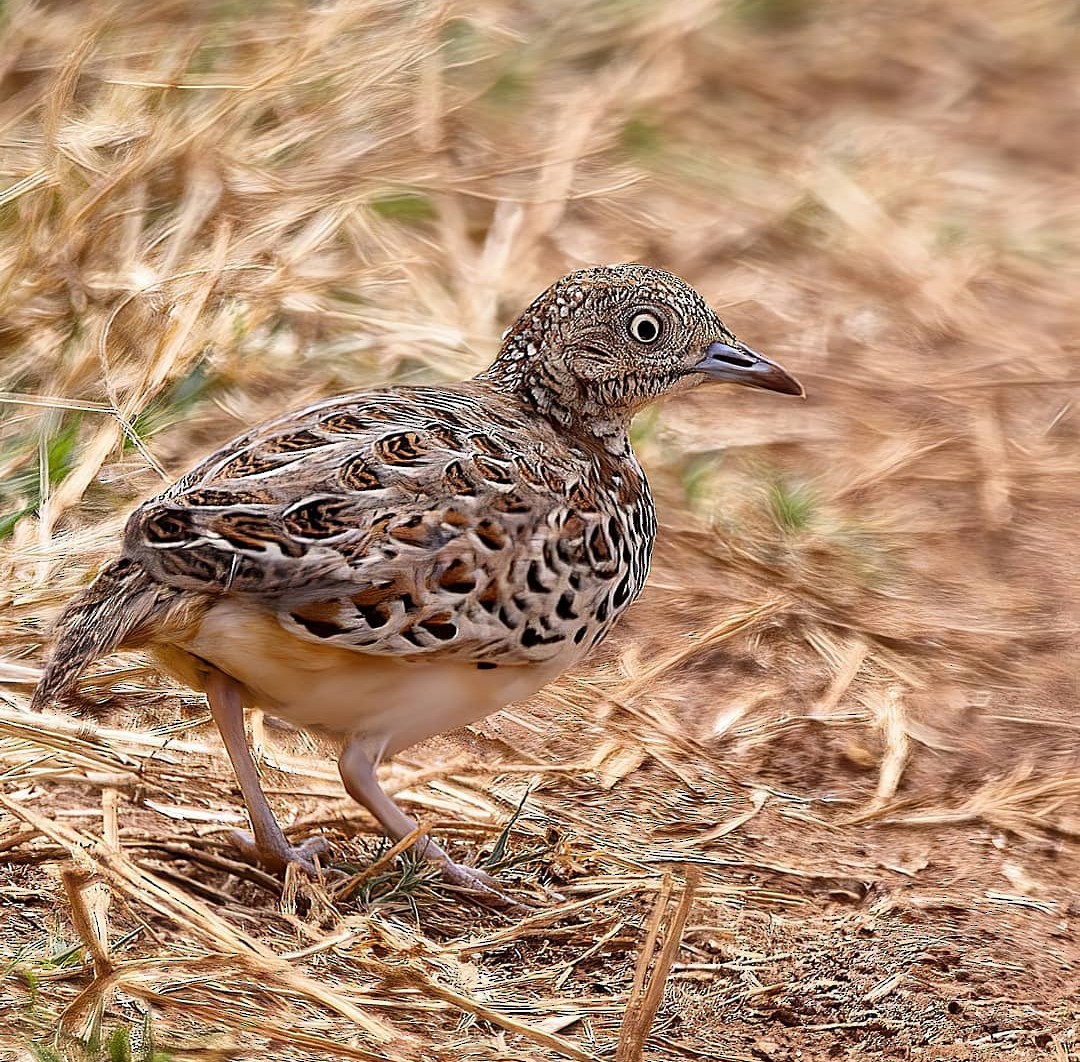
602, 343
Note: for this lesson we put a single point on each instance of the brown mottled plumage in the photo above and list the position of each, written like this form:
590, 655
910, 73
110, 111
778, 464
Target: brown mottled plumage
395, 563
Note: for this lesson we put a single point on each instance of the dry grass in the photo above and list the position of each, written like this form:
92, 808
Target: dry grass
823, 793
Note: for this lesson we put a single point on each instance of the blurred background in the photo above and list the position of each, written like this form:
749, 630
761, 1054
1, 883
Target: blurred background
841, 724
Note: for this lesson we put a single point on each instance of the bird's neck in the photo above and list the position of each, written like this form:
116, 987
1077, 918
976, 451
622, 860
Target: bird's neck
522, 372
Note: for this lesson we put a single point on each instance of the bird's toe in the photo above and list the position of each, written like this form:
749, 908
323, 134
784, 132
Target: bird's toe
481, 886
276, 857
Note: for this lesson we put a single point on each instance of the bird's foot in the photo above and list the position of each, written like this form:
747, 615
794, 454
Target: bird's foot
277, 856
481, 886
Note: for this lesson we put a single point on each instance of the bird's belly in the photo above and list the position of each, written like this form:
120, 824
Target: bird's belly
394, 702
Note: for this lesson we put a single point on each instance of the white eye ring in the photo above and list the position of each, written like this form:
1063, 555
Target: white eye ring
645, 327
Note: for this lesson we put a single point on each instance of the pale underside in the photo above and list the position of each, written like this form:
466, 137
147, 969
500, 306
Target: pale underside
390, 702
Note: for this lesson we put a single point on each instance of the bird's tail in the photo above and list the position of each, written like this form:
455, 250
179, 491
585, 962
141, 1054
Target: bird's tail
107, 614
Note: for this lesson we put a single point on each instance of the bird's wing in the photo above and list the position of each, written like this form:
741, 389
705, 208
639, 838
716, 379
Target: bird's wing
401, 522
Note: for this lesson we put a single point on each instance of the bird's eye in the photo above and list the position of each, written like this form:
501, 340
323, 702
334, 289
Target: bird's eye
645, 327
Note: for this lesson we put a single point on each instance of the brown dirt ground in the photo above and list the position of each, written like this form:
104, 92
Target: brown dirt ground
820, 797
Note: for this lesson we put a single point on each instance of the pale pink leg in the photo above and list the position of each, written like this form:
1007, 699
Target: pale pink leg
269, 845
357, 768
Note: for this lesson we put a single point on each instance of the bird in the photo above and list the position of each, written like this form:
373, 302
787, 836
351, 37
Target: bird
395, 563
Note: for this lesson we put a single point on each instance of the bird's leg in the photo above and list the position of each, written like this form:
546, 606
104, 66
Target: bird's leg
268, 846
357, 767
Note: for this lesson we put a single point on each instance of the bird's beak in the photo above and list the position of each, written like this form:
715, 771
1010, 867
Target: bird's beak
734, 363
